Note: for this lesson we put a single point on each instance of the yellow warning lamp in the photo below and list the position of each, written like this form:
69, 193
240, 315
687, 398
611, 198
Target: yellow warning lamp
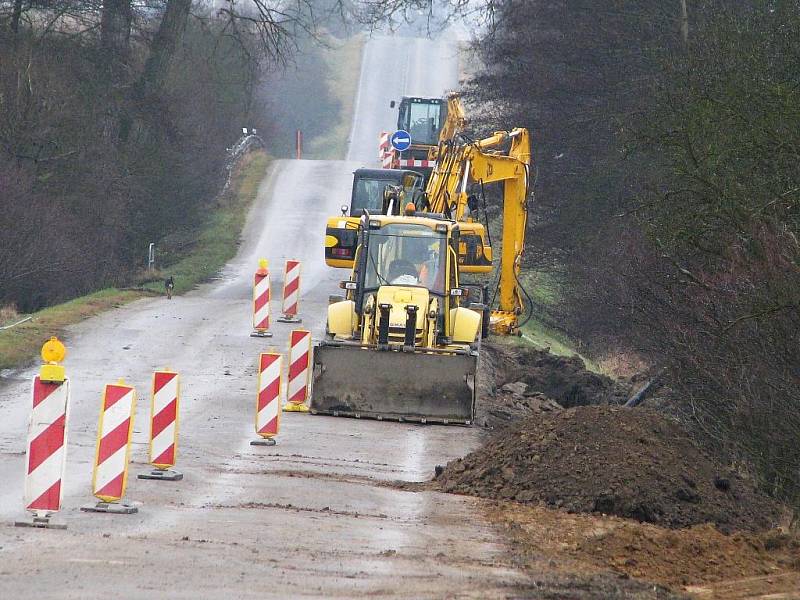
53, 352
263, 265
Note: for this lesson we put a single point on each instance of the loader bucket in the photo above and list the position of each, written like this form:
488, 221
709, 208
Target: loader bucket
354, 381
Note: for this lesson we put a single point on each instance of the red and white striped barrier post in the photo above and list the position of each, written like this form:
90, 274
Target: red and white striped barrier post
299, 371
268, 398
291, 292
112, 453
164, 406
385, 150
47, 439
261, 298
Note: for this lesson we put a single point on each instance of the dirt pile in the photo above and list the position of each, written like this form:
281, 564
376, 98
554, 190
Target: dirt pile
631, 463
674, 558
515, 381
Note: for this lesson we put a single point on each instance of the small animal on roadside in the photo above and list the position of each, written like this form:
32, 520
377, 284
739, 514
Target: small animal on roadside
169, 285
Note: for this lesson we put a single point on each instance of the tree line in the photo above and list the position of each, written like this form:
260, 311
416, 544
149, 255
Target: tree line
667, 203
115, 116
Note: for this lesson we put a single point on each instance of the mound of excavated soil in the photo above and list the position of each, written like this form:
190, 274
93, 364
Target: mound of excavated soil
515, 381
564, 379
631, 463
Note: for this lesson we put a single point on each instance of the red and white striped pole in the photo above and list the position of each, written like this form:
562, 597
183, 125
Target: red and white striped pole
385, 150
299, 371
268, 398
112, 453
164, 406
291, 292
261, 287
46, 451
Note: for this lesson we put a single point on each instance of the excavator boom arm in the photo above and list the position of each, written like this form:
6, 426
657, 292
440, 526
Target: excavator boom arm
459, 164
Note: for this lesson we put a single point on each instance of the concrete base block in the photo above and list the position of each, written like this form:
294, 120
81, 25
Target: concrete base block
261, 334
117, 508
40, 523
264, 442
290, 407
289, 319
163, 475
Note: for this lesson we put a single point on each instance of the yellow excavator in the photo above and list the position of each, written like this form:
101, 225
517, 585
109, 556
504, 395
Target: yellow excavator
503, 157
403, 341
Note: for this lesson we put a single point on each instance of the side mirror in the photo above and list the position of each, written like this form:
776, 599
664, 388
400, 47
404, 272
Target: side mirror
391, 104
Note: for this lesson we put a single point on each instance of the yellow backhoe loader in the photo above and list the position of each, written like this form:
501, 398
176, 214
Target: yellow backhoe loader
401, 344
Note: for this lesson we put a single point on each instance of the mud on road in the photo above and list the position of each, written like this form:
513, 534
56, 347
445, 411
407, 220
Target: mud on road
583, 485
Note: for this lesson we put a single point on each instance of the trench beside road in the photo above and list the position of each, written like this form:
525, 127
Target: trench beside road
317, 515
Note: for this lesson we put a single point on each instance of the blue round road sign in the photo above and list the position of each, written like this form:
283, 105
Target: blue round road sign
400, 140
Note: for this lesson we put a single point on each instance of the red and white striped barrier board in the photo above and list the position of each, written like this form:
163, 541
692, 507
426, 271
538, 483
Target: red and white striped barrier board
291, 292
427, 164
112, 453
47, 452
164, 419
384, 144
299, 370
261, 285
269, 392
385, 150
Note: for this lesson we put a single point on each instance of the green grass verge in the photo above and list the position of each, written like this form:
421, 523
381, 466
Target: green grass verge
544, 290
22, 343
219, 237
217, 242
344, 66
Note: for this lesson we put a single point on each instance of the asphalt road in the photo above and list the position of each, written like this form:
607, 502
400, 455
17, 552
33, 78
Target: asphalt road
318, 515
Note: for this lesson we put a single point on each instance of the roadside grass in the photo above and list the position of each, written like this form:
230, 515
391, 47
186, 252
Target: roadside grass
217, 242
218, 239
21, 344
344, 66
545, 291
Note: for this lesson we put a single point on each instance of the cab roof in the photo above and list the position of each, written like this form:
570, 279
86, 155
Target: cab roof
431, 222
387, 174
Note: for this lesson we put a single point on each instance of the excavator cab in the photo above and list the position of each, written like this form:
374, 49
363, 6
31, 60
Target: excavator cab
423, 118
375, 191
400, 345
369, 189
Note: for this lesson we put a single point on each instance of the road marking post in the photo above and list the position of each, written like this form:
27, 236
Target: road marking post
268, 398
46, 452
299, 371
291, 292
164, 410
112, 452
261, 299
